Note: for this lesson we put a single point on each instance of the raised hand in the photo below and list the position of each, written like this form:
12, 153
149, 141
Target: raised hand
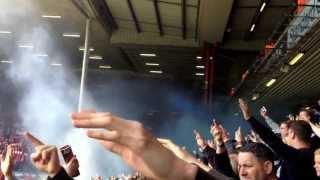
264, 112
45, 158
225, 135
216, 131
239, 136
253, 137
199, 139
137, 147
7, 163
245, 109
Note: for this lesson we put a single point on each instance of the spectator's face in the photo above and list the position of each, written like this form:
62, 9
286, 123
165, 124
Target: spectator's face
290, 138
317, 164
303, 115
250, 168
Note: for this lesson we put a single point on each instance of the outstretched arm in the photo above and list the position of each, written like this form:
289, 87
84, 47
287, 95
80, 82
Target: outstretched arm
266, 133
137, 147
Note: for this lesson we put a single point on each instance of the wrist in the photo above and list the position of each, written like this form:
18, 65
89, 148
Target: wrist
220, 149
8, 176
219, 142
202, 147
55, 171
226, 140
239, 144
183, 171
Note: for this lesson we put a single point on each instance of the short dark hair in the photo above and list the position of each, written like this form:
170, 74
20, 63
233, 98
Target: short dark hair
302, 130
286, 122
259, 150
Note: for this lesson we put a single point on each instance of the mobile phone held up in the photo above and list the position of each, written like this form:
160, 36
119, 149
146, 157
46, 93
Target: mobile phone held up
67, 155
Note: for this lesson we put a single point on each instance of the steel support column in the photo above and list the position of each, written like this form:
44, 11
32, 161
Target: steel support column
84, 64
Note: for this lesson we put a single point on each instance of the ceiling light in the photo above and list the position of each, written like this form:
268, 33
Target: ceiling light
296, 59
199, 57
75, 35
56, 64
200, 67
148, 55
152, 64
82, 49
51, 16
41, 55
96, 57
263, 6
6, 61
28, 46
105, 67
255, 96
156, 72
252, 27
5, 32
199, 74
271, 82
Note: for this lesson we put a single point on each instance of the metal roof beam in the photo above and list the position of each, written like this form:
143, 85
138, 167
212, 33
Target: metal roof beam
134, 17
158, 16
184, 19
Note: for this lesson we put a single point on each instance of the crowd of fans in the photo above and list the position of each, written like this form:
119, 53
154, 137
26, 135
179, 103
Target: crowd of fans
18, 149
286, 151
19, 152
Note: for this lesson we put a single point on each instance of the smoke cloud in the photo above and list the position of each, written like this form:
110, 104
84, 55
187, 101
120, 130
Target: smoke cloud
50, 94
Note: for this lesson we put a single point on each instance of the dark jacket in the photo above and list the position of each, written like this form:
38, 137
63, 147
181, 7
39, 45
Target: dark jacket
62, 175
297, 163
220, 162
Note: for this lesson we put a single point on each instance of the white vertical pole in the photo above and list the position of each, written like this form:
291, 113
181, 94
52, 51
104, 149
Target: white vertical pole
84, 64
